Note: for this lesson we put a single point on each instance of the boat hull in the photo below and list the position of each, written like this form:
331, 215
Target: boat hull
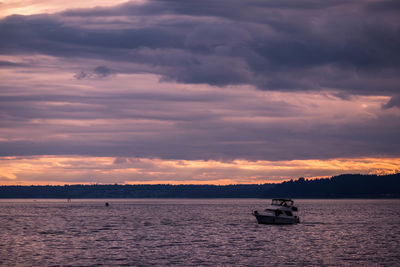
265, 219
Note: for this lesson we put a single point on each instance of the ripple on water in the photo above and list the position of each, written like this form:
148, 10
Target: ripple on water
197, 233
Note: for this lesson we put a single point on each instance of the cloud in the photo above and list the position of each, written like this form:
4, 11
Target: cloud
253, 80
274, 45
67, 169
102, 71
10, 64
385, 5
141, 117
49, 6
97, 73
393, 102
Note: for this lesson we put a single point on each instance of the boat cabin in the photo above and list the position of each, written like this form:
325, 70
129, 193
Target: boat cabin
281, 211
282, 202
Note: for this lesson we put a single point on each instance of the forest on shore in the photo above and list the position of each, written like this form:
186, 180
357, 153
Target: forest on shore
341, 186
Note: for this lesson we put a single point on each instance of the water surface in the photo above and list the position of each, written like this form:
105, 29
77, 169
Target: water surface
199, 232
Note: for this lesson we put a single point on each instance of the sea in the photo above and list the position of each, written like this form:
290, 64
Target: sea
196, 232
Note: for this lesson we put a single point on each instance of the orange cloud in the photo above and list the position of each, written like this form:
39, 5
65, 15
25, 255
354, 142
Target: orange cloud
86, 170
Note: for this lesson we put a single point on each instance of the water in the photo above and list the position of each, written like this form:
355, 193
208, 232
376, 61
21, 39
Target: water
201, 232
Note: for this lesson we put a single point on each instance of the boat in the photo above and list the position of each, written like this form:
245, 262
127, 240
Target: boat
281, 211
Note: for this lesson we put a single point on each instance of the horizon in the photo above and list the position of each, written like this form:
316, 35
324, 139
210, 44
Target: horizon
190, 183
156, 92
342, 186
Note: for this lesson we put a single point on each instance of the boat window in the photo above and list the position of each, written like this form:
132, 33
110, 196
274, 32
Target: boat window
276, 202
278, 212
288, 213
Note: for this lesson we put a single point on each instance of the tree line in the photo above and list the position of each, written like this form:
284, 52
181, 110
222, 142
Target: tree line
342, 186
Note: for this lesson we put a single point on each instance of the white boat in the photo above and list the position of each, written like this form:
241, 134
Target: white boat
281, 211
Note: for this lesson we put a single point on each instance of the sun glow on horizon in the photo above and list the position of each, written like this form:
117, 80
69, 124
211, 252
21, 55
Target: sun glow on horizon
60, 170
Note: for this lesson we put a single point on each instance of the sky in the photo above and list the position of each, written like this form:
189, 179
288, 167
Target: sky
197, 92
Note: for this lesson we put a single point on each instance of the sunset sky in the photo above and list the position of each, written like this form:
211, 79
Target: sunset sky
194, 92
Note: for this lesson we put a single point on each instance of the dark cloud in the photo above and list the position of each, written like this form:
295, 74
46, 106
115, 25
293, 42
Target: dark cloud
393, 102
208, 140
274, 45
346, 48
103, 71
97, 73
232, 9
81, 75
9, 64
179, 124
385, 5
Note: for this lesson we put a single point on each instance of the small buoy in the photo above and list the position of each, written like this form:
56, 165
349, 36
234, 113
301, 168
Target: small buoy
107, 204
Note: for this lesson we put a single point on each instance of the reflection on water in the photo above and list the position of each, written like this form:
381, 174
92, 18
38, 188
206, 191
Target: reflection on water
196, 232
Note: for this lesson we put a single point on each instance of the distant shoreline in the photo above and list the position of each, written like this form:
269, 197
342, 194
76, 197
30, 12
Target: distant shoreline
346, 186
4, 200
